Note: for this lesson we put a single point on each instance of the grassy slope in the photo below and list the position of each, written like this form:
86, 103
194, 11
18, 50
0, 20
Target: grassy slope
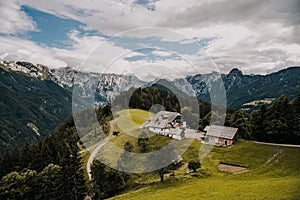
216, 188
127, 123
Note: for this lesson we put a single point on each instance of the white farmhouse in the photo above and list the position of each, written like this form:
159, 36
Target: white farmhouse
166, 123
172, 125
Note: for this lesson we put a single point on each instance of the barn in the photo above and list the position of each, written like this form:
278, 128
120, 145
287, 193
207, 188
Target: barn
220, 135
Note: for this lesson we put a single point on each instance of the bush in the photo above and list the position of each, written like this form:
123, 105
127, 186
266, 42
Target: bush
194, 165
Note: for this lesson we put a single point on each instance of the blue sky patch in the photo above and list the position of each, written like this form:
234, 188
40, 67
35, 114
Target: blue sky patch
53, 30
149, 4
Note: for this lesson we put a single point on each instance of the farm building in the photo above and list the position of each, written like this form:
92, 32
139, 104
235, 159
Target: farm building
193, 134
220, 135
166, 123
172, 125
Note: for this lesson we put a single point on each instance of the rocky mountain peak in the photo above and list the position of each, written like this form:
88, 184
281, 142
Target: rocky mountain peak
235, 71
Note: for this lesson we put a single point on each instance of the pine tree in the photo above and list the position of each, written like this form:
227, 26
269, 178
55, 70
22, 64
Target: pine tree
257, 123
240, 120
296, 119
279, 127
277, 123
72, 183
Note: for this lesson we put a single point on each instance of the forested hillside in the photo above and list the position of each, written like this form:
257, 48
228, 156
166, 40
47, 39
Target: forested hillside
50, 169
30, 108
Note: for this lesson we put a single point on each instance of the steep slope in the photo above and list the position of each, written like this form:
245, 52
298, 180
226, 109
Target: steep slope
241, 88
30, 107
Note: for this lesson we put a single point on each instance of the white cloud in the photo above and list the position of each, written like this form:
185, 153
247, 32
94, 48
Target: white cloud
13, 20
106, 15
14, 48
172, 68
257, 36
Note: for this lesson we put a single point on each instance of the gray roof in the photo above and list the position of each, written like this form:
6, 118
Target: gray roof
221, 131
162, 119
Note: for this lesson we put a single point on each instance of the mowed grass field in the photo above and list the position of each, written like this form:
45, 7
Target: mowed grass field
216, 188
271, 172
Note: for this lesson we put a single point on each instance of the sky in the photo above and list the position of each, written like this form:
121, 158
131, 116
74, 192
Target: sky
151, 38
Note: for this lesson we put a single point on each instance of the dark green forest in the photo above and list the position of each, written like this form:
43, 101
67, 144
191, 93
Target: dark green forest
279, 123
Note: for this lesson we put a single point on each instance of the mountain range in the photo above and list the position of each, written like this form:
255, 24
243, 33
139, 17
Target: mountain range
240, 88
35, 98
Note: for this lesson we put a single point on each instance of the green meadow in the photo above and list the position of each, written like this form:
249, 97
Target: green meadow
269, 175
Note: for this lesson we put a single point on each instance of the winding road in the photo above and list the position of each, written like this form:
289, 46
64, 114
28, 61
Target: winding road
93, 155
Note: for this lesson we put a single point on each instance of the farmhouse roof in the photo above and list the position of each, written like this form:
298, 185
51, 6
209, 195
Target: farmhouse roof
221, 131
162, 118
